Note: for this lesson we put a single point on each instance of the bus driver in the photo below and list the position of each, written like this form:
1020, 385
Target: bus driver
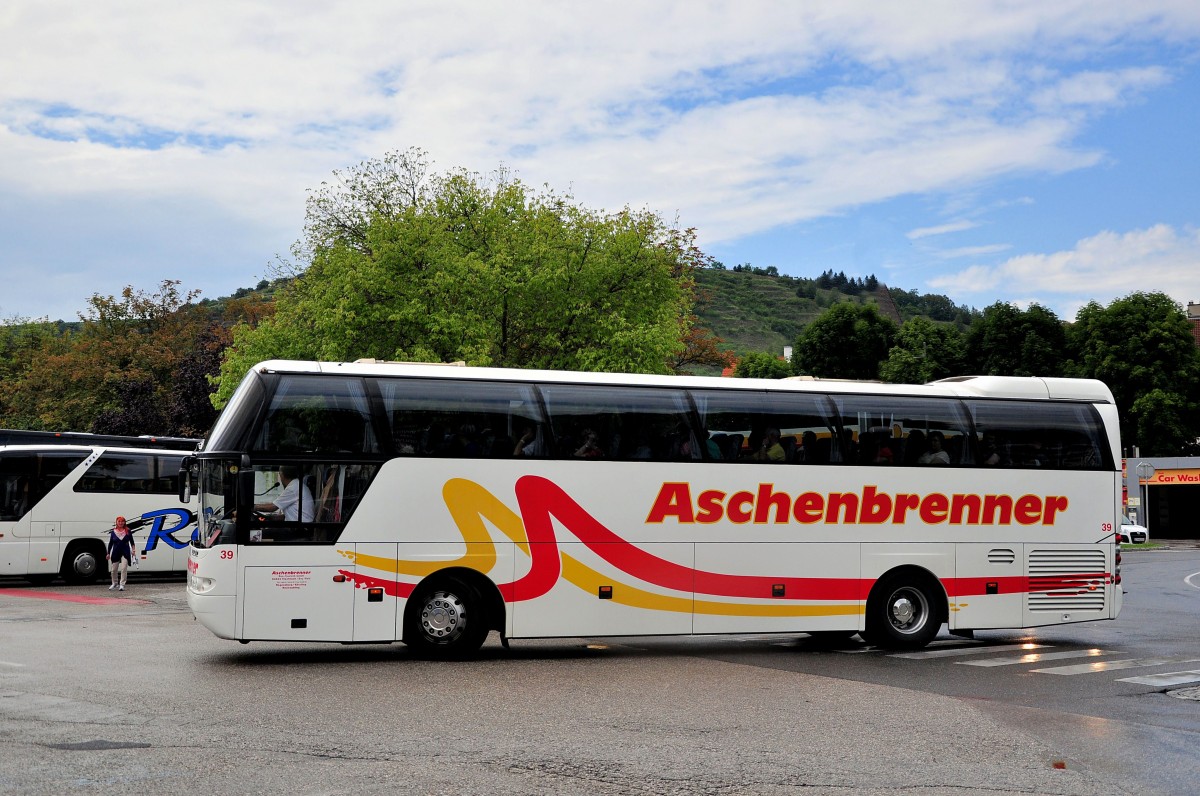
296, 502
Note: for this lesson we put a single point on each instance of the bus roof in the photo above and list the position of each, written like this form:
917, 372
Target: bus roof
9, 436
88, 449
1028, 387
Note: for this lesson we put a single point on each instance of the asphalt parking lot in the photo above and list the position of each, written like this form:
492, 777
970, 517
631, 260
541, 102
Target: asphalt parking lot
127, 694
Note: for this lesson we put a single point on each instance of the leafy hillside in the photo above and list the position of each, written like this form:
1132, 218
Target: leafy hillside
751, 309
754, 310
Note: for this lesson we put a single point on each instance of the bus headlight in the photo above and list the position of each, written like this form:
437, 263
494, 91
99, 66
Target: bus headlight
201, 585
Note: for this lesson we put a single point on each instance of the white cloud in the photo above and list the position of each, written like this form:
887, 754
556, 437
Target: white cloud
1101, 268
974, 251
942, 229
740, 117
1099, 88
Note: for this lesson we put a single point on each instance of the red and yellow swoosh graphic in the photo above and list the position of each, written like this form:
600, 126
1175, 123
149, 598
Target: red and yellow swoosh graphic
651, 579
661, 585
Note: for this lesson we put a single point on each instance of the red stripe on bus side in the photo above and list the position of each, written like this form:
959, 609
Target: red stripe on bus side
1081, 583
541, 498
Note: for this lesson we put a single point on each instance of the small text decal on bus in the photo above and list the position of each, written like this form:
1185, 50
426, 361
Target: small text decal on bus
869, 507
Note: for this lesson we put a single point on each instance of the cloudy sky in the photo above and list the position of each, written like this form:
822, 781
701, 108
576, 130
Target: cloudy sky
1019, 151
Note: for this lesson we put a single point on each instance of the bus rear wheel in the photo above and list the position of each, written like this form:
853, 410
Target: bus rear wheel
81, 564
904, 611
445, 620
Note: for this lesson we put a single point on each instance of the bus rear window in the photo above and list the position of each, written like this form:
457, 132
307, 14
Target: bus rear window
1039, 434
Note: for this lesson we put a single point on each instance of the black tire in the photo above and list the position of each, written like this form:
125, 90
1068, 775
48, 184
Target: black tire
83, 563
904, 611
446, 620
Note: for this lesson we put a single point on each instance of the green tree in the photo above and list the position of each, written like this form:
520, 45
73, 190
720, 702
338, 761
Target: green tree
116, 373
1142, 347
762, 366
404, 265
24, 345
924, 351
848, 341
1006, 341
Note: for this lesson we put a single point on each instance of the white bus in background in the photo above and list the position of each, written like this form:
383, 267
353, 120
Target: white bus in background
448, 502
58, 503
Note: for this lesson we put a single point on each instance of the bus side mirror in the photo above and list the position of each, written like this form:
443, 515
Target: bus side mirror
185, 480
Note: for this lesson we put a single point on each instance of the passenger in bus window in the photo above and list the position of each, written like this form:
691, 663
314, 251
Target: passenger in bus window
771, 450
529, 442
121, 549
21, 500
935, 454
1034, 455
461, 444
989, 451
590, 449
882, 453
296, 502
807, 452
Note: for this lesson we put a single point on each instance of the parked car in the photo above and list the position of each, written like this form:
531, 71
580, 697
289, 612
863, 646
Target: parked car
1132, 533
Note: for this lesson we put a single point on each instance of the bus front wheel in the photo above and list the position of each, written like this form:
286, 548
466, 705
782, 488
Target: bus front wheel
82, 563
445, 619
904, 611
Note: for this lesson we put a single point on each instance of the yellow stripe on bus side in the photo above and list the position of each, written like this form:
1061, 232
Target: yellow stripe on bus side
590, 581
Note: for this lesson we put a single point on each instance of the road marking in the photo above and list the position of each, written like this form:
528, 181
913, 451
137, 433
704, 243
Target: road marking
1188, 580
950, 653
1109, 666
70, 598
1035, 657
7, 663
1165, 680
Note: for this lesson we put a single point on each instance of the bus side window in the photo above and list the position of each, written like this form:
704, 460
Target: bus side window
621, 422
313, 414
902, 430
446, 419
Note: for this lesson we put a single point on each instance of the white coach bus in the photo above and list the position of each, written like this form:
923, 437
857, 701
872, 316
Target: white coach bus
58, 501
434, 504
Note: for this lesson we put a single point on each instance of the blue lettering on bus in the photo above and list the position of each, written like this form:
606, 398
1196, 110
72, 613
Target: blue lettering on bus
159, 529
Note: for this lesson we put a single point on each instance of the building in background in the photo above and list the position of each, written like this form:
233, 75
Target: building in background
1163, 494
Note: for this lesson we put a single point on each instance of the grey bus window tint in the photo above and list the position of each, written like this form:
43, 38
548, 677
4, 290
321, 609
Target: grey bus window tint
883, 430
231, 431
1031, 434
457, 418
616, 422
26, 478
317, 414
18, 490
131, 473
738, 421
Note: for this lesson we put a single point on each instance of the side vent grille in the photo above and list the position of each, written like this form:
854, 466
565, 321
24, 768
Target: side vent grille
1001, 556
1067, 580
